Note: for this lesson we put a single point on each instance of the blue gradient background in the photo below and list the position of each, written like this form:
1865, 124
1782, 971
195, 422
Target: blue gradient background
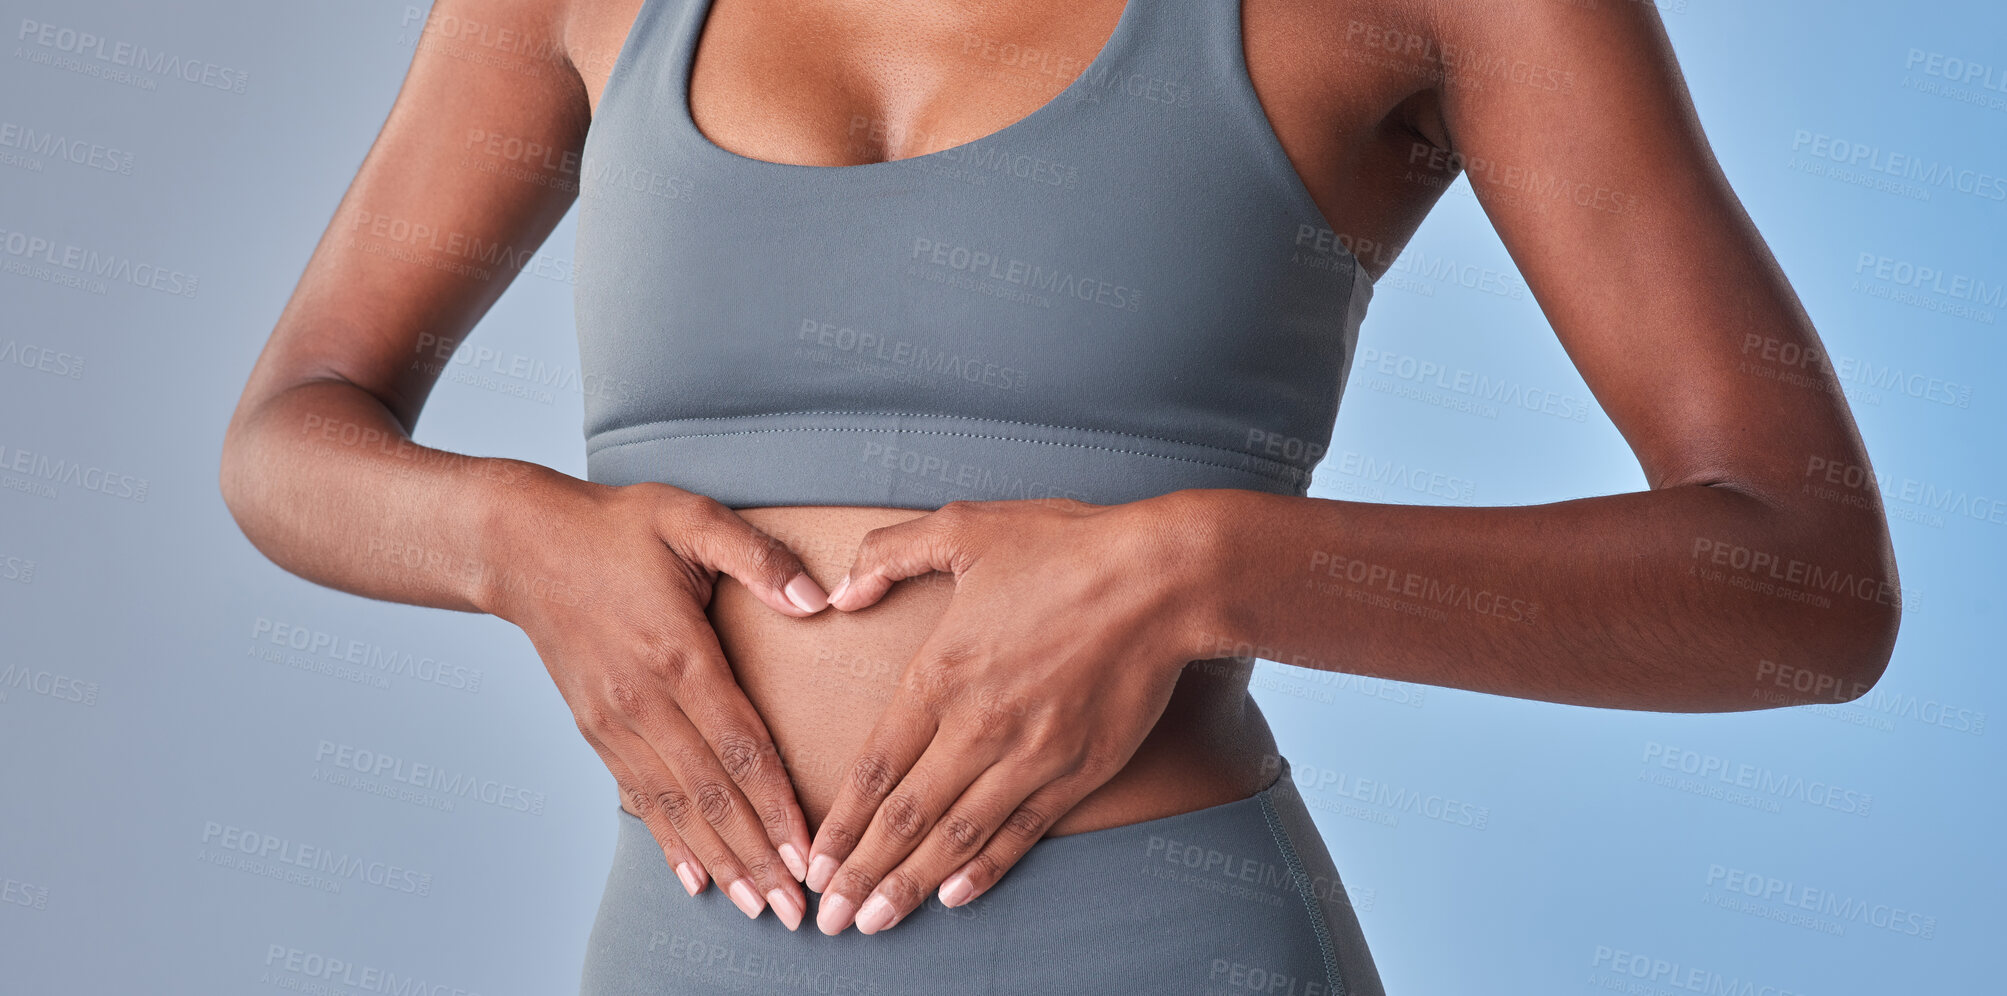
155, 605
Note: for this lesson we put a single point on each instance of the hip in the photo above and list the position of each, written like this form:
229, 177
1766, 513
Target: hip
1237, 897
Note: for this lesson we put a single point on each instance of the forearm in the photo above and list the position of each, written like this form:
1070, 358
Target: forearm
1683, 599
324, 480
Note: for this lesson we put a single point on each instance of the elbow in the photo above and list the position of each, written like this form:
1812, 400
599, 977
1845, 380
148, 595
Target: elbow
230, 478
1810, 673
1874, 647
1832, 641
237, 479
1861, 636
1837, 659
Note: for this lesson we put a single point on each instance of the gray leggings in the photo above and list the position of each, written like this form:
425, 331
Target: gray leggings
1239, 898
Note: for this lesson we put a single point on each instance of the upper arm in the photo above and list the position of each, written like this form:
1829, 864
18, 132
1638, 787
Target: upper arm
1593, 168
445, 208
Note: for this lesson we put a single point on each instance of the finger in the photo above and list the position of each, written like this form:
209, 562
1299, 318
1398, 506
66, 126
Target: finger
739, 738
710, 535
689, 867
1025, 826
660, 793
931, 542
896, 741
977, 799
695, 756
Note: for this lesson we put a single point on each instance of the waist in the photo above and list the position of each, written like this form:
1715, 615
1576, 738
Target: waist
820, 684
924, 461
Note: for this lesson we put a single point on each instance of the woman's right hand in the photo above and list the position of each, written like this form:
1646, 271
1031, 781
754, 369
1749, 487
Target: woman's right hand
611, 585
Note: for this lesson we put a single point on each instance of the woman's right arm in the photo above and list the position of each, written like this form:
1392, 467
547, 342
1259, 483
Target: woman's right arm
609, 583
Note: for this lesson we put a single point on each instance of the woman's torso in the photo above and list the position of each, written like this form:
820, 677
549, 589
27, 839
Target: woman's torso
843, 84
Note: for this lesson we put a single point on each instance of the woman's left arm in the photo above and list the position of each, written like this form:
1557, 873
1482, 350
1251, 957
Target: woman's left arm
1756, 571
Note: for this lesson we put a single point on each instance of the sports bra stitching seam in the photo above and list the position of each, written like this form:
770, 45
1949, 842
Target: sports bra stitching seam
978, 418
1286, 477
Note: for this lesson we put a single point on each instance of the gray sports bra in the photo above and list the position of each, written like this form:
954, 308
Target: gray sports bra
1126, 293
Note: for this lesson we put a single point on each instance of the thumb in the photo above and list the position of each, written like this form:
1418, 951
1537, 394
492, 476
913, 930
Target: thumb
932, 542
712, 536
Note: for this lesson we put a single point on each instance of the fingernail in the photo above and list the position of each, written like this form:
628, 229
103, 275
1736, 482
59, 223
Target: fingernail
786, 908
819, 872
791, 857
744, 898
806, 594
834, 915
956, 890
841, 587
690, 883
875, 916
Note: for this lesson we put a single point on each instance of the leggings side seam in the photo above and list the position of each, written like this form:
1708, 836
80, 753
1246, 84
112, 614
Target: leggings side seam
1333, 979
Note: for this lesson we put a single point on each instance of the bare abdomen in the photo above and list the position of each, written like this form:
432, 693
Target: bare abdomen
820, 683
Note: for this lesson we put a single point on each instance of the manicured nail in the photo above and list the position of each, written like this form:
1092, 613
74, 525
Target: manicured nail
786, 908
841, 587
834, 915
876, 915
819, 872
957, 890
744, 898
791, 857
690, 882
806, 594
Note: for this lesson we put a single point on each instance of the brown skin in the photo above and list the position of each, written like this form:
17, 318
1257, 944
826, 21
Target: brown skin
1054, 647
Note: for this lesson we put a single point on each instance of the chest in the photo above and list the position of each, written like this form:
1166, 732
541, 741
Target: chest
846, 83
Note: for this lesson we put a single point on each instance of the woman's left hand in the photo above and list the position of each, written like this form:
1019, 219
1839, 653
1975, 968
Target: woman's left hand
1067, 631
